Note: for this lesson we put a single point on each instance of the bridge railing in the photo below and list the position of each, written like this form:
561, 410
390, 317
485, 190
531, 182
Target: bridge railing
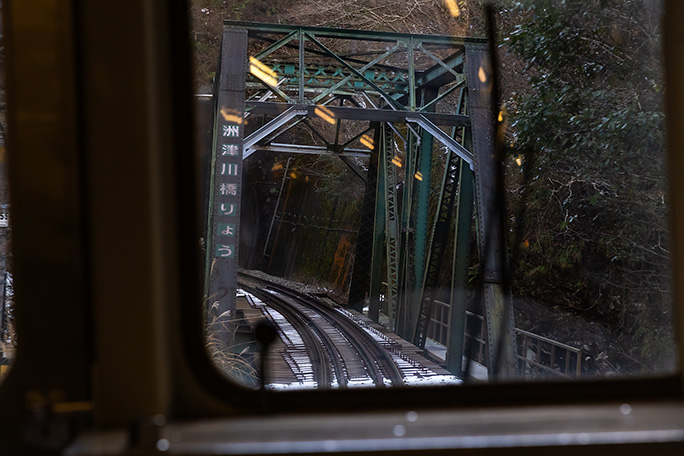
475, 342
537, 357
542, 357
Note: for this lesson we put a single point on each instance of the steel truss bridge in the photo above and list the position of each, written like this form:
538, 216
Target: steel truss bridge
401, 100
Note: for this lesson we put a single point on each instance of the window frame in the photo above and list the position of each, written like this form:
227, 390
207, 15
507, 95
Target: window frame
164, 367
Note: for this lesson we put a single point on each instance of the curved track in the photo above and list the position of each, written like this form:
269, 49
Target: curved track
338, 347
325, 362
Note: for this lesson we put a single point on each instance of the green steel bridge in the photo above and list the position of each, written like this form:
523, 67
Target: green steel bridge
404, 97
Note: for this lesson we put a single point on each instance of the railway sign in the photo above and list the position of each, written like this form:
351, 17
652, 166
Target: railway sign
226, 181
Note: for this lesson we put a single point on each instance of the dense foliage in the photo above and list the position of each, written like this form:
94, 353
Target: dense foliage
590, 129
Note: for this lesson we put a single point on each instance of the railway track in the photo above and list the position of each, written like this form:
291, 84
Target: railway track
326, 346
326, 366
341, 353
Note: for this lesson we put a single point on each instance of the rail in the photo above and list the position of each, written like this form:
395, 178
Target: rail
325, 363
378, 363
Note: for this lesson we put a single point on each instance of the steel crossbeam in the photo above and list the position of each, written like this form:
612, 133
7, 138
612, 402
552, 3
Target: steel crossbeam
370, 115
366, 35
313, 150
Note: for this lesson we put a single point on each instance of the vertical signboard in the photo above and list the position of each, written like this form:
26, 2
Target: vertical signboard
226, 180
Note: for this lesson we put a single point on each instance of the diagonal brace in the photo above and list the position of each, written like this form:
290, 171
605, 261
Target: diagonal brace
270, 127
442, 137
394, 103
277, 45
364, 68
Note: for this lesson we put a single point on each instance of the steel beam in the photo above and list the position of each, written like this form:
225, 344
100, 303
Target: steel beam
390, 101
438, 75
411, 47
277, 45
367, 35
270, 127
374, 305
277, 206
442, 137
498, 307
459, 273
407, 277
443, 95
448, 69
312, 150
391, 223
431, 120
360, 173
438, 245
420, 220
362, 69
318, 53
461, 258
361, 275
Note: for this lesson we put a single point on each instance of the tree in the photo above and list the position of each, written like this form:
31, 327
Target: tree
589, 127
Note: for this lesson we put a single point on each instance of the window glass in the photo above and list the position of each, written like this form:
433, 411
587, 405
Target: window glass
375, 215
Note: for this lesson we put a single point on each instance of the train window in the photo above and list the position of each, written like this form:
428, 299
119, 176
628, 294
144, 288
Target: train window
385, 204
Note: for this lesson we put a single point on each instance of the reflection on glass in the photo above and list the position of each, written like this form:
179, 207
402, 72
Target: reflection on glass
325, 114
482, 75
363, 224
454, 10
232, 116
263, 72
367, 141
